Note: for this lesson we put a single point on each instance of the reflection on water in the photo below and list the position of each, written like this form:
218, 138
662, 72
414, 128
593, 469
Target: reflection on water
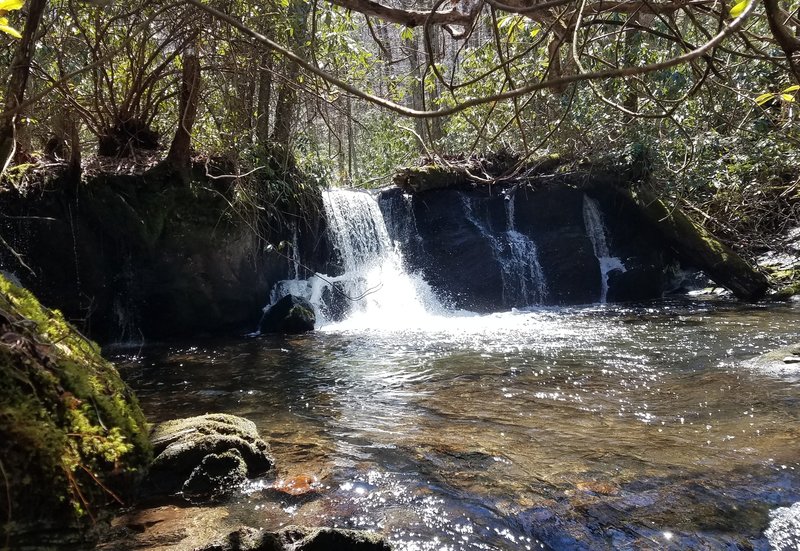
566, 428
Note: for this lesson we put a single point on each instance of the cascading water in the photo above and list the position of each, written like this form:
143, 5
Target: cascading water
374, 290
524, 283
596, 232
523, 259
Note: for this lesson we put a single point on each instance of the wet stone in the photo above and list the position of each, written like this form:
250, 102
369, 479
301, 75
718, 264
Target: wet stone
298, 485
291, 314
217, 475
206, 455
297, 538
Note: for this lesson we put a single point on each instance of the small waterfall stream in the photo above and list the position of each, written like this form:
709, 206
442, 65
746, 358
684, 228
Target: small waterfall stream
373, 290
596, 232
523, 266
524, 283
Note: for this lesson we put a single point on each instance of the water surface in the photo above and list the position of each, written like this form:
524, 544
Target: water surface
583, 428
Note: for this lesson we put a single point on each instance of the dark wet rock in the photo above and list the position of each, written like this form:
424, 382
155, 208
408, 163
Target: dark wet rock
459, 240
135, 256
216, 475
297, 538
291, 314
330, 539
207, 454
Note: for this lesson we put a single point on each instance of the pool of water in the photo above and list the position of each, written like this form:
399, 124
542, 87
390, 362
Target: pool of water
583, 428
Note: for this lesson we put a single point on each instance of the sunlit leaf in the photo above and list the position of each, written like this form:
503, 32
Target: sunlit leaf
764, 98
8, 30
11, 5
789, 98
407, 33
737, 10
504, 22
793, 88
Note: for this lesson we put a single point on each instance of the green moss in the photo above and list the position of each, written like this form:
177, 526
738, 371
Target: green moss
74, 436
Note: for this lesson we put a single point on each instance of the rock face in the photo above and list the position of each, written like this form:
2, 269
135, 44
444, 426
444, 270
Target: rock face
136, 256
476, 247
297, 538
291, 314
73, 436
206, 456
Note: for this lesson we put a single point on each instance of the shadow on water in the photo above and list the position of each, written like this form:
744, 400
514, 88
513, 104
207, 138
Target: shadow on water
581, 428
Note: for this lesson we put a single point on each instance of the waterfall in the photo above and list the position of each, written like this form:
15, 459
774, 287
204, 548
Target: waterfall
597, 234
373, 289
523, 259
524, 283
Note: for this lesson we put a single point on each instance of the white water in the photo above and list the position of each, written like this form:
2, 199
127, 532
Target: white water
374, 291
596, 232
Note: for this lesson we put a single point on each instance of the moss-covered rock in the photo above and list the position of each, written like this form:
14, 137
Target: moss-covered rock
199, 455
74, 438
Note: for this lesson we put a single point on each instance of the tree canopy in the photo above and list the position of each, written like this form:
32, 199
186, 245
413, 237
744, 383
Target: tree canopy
703, 90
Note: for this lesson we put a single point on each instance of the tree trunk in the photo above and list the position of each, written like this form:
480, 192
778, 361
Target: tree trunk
701, 249
285, 106
264, 100
632, 44
417, 89
287, 95
180, 151
20, 69
73, 122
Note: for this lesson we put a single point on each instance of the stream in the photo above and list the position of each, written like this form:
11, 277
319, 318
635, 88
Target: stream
596, 427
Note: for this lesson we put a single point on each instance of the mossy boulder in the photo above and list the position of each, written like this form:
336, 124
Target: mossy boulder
206, 456
73, 436
431, 177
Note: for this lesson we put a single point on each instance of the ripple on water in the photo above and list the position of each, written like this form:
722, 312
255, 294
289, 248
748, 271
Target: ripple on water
545, 428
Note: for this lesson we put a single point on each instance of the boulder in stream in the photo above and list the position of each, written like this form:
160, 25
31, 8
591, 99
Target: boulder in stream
206, 456
291, 314
299, 538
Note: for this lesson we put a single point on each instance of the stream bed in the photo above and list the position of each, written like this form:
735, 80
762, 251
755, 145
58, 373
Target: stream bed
601, 427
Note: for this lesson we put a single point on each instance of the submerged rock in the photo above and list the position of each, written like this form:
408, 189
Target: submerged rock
291, 314
206, 456
297, 538
73, 436
787, 356
299, 485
